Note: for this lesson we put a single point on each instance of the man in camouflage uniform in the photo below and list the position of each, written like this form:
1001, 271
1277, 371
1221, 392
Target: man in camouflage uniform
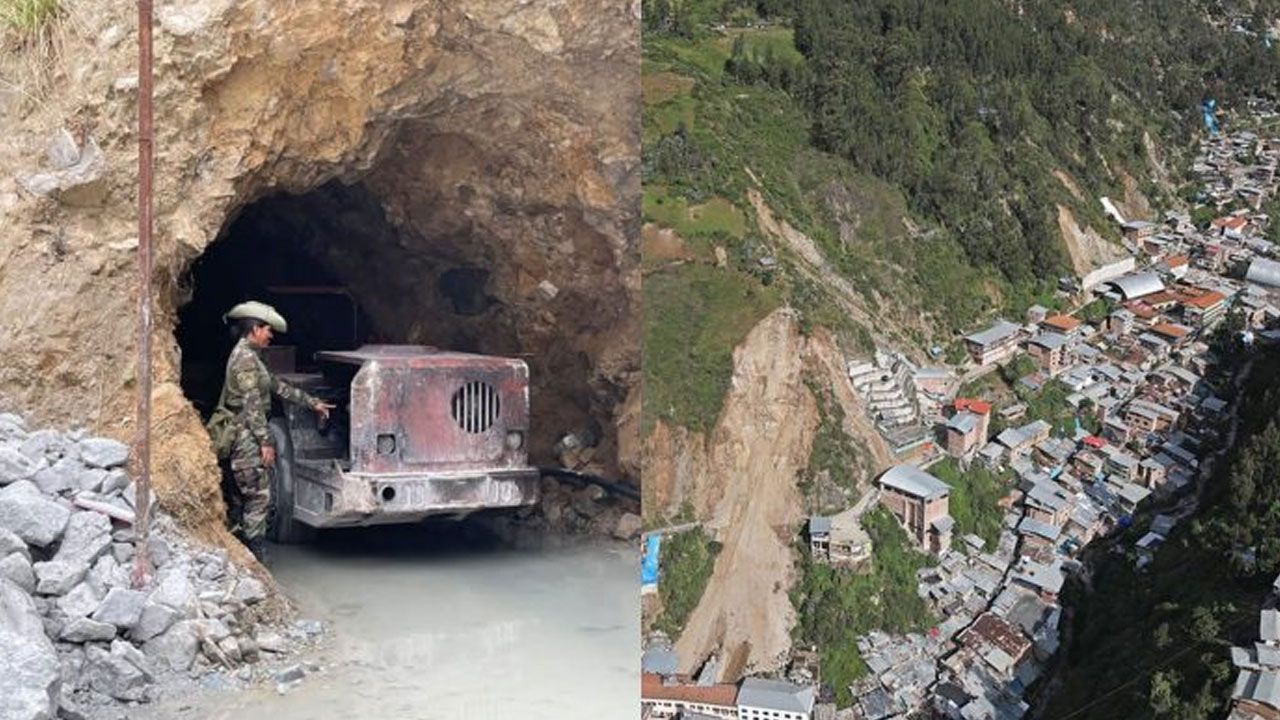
246, 398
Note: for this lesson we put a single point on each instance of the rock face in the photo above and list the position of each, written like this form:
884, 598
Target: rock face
501, 135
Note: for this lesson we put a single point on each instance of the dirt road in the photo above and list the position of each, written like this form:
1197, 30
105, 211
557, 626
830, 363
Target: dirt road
452, 622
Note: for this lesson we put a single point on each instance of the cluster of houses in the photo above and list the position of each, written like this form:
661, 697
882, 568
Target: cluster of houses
1133, 381
903, 399
1135, 377
1256, 695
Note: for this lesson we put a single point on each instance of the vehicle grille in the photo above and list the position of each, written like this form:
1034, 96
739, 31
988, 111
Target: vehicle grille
475, 406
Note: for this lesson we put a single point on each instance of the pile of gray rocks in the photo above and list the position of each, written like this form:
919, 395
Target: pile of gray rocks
573, 510
78, 639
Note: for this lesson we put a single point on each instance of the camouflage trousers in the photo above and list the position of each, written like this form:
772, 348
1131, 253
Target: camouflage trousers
253, 481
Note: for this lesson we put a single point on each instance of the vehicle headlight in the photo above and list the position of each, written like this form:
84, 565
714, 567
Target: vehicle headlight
515, 440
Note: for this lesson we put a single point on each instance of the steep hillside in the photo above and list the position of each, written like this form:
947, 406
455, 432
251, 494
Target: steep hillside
894, 171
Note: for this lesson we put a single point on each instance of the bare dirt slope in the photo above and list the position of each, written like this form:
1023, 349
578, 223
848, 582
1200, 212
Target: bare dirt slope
1088, 249
761, 441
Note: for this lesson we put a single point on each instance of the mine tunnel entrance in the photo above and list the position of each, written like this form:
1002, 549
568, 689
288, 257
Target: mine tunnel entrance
344, 274
281, 250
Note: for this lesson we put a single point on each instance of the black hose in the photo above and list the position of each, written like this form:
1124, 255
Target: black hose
583, 479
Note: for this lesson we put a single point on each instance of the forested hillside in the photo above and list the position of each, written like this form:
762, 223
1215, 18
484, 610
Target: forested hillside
970, 104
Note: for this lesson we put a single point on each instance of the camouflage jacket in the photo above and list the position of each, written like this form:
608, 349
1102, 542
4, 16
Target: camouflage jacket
248, 390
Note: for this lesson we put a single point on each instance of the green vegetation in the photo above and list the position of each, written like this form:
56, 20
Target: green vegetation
835, 606
1049, 404
970, 105
1156, 643
694, 316
1095, 312
716, 217
28, 19
975, 498
1273, 230
1016, 369
833, 457
687, 559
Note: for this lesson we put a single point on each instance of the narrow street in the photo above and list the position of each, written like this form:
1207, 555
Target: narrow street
450, 621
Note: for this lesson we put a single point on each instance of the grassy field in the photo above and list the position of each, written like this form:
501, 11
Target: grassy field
694, 317
716, 217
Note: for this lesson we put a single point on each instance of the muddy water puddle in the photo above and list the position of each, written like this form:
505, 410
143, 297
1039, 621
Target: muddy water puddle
451, 621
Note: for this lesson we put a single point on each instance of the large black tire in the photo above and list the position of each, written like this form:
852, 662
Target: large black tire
281, 527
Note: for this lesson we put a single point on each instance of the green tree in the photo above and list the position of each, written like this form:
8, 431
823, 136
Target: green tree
1164, 692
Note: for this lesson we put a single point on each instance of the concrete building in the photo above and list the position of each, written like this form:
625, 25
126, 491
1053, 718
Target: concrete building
761, 699
921, 503
1205, 309
995, 344
1177, 265
964, 434
1064, 325
1137, 230
840, 539
665, 698
1230, 226
1145, 416
1049, 350
1120, 323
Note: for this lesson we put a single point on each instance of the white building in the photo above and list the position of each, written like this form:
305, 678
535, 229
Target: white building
760, 699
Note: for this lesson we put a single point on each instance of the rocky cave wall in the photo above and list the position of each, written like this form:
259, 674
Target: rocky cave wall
495, 133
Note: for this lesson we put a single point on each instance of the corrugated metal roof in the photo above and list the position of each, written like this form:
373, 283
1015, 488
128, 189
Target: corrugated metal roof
1263, 687
1138, 285
997, 332
662, 661
775, 695
819, 525
914, 481
1269, 626
963, 421
1264, 272
1049, 340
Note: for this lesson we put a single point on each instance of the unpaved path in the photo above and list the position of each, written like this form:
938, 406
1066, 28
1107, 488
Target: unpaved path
759, 444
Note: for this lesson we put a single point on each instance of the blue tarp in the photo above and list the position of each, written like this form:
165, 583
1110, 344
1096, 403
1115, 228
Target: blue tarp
1208, 108
649, 565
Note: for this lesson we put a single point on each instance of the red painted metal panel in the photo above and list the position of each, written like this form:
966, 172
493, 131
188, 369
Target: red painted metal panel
435, 411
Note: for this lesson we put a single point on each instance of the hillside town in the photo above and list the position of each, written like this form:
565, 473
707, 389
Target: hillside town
1131, 352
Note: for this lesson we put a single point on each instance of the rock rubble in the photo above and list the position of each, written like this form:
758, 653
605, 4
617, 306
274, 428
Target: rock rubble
79, 639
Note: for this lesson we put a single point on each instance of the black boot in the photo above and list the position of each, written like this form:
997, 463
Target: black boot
258, 547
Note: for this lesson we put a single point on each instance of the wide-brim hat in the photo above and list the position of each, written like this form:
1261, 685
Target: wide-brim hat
258, 311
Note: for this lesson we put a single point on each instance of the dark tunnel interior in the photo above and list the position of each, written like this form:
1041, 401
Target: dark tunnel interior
271, 251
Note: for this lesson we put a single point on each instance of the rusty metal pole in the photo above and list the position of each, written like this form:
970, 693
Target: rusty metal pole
142, 426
